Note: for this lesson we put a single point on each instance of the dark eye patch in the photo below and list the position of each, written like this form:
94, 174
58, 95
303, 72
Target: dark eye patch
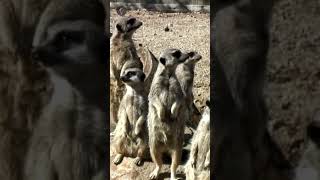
143, 76
131, 21
176, 54
65, 39
131, 73
314, 134
119, 28
191, 54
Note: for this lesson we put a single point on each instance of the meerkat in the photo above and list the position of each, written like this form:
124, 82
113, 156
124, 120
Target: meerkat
185, 75
122, 50
197, 167
167, 112
130, 135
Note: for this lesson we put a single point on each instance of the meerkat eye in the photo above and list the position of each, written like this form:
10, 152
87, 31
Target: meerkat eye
143, 76
131, 73
131, 21
191, 54
176, 54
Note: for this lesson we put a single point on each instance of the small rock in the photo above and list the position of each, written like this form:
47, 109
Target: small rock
166, 29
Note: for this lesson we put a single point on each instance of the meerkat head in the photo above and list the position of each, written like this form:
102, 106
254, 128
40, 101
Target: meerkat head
133, 76
194, 57
172, 57
313, 129
126, 26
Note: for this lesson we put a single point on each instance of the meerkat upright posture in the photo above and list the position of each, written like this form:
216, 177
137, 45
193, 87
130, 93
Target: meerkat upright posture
131, 133
197, 167
185, 75
122, 50
167, 112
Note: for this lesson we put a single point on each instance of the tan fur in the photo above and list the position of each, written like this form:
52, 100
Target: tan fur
185, 75
122, 50
167, 112
130, 135
197, 167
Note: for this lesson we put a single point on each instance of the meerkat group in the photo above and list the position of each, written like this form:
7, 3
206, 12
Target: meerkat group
151, 99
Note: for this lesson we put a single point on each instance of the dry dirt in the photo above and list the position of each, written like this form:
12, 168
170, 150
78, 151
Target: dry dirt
187, 31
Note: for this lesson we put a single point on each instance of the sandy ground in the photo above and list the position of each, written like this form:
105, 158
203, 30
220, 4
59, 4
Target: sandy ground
187, 31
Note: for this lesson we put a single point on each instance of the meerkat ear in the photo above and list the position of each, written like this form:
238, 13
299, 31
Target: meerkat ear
119, 28
208, 102
163, 61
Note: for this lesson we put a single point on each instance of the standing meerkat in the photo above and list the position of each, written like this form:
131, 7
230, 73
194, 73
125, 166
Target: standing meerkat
122, 50
167, 112
185, 75
130, 135
197, 167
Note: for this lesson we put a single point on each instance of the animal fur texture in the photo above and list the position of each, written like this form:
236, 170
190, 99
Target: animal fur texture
130, 135
122, 49
167, 112
198, 165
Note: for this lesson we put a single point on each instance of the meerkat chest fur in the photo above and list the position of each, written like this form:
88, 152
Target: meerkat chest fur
169, 90
185, 75
135, 104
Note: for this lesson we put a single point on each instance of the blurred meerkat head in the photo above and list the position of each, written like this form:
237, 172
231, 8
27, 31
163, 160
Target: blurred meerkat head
194, 57
171, 57
126, 26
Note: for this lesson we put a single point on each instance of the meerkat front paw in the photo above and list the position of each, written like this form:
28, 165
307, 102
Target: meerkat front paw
175, 109
159, 108
155, 173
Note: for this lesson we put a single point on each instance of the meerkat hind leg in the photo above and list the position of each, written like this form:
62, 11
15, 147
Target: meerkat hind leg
175, 161
141, 151
157, 159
